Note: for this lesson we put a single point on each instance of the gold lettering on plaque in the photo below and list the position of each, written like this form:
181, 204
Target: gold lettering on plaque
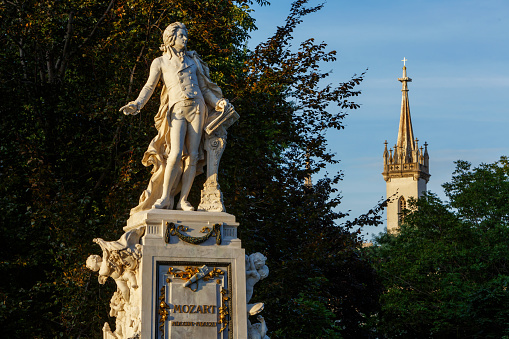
193, 323
193, 309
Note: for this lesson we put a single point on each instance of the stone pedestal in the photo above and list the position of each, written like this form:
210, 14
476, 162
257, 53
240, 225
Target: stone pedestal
192, 275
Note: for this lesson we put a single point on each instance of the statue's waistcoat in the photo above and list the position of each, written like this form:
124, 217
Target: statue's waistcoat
183, 82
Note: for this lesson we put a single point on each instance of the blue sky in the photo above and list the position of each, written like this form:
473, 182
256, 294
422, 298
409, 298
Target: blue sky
458, 58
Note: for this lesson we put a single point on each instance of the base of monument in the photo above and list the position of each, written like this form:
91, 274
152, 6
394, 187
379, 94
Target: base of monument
192, 275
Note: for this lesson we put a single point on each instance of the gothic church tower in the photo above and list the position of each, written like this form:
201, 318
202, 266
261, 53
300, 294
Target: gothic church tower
406, 167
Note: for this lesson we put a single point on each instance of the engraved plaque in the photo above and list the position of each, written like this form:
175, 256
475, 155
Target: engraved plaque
194, 300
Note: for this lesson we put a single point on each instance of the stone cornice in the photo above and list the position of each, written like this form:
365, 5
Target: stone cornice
415, 170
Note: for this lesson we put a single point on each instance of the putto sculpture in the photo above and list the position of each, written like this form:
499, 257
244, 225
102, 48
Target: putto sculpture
120, 261
192, 119
256, 270
258, 330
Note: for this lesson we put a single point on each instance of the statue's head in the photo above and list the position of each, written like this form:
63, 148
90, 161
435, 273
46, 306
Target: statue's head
94, 262
171, 36
258, 260
263, 272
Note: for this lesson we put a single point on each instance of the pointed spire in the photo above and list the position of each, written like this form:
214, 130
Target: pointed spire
405, 132
415, 154
386, 153
426, 156
396, 154
405, 159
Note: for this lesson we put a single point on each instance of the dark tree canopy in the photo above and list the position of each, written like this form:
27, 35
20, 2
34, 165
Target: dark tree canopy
70, 166
446, 272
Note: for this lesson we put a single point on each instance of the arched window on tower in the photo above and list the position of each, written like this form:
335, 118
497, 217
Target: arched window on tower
401, 208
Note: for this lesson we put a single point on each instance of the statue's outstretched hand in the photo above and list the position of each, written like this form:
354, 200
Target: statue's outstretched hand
130, 109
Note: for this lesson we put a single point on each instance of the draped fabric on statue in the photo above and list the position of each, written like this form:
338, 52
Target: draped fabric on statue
159, 147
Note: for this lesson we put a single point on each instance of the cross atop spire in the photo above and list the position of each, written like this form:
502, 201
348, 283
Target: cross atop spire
404, 79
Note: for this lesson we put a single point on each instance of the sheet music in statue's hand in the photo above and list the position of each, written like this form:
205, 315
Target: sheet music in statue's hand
227, 117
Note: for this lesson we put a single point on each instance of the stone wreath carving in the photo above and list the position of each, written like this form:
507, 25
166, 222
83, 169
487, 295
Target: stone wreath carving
172, 229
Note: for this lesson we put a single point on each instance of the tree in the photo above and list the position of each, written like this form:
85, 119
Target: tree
446, 272
70, 162
70, 169
296, 225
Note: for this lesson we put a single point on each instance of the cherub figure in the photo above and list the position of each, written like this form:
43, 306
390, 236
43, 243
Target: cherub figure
107, 269
258, 330
119, 261
256, 270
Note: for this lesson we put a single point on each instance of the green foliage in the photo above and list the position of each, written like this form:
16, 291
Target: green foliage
312, 306
480, 195
446, 272
70, 162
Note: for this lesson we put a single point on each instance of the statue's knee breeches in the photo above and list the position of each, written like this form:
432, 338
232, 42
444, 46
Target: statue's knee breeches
174, 158
193, 158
